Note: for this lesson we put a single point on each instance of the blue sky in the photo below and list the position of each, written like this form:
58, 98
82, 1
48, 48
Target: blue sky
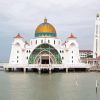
68, 16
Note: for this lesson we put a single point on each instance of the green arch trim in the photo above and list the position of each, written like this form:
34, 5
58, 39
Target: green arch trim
45, 47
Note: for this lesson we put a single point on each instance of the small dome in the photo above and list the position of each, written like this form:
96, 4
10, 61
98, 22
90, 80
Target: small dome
45, 29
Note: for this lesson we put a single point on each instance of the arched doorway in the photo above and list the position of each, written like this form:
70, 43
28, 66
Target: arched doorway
45, 54
45, 57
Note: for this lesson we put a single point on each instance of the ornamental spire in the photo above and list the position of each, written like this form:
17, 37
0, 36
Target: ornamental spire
97, 15
18, 36
45, 20
72, 36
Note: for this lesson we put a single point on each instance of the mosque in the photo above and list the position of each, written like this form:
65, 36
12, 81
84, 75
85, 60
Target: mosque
45, 51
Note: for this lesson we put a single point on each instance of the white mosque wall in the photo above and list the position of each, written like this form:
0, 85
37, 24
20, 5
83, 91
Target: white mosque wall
20, 51
55, 42
17, 52
72, 55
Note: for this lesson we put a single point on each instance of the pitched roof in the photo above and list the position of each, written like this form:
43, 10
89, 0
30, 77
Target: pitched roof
98, 57
72, 36
18, 36
85, 51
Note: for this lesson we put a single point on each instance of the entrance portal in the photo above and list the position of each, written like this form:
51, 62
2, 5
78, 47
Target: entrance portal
45, 54
45, 61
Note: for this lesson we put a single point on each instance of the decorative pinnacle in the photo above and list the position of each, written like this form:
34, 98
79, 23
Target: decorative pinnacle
45, 20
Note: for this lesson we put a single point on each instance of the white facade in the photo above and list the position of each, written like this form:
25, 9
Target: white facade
96, 49
21, 51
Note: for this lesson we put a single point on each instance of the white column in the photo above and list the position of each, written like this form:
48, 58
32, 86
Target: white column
24, 70
49, 55
39, 70
49, 58
49, 70
40, 60
66, 70
87, 61
14, 69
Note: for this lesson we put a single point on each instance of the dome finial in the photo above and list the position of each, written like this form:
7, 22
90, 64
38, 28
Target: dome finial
97, 15
45, 20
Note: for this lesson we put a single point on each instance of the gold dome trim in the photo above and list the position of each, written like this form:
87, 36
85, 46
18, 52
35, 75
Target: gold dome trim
45, 27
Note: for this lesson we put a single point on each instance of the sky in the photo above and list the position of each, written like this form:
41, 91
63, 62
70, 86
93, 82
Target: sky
67, 16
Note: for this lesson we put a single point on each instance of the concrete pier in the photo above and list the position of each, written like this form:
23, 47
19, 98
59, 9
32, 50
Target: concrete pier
43, 68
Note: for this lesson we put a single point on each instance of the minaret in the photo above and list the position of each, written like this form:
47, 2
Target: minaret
96, 48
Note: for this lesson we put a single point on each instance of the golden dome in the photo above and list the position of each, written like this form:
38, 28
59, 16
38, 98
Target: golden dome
45, 27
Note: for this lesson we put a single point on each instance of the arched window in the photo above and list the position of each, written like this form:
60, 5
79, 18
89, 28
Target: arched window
62, 58
54, 41
17, 51
48, 41
29, 51
27, 57
17, 44
72, 44
17, 61
41, 41
36, 42
62, 51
